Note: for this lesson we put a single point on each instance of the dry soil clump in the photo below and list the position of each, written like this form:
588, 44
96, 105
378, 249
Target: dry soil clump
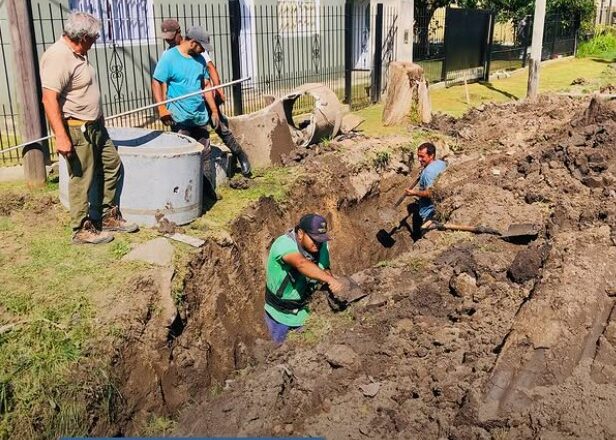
462, 336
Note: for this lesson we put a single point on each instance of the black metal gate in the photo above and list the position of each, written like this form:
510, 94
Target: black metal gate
467, 40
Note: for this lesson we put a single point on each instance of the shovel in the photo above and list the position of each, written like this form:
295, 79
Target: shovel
351, 292
405, 195
386, 237
519, 233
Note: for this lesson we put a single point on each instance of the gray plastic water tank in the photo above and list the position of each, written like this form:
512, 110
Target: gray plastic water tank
162, 175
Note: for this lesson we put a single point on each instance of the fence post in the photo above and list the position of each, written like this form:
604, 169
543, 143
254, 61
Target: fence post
527, 27
444, 64
378, 55
489, 42
576, 32
348, 52
555, 29
29, 88
235, 28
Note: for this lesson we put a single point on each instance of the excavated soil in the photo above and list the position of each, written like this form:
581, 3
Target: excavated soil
462, 336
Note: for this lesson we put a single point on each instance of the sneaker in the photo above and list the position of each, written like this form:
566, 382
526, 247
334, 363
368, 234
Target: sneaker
88, 234
113, 221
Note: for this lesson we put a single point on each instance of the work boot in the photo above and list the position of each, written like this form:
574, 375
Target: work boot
113, 221
238, 153
244, 163
88, 234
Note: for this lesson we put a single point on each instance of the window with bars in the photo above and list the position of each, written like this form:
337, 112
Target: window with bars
298, 17
122, 20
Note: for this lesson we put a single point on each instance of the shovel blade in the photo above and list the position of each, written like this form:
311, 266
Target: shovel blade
351, 292
385, 238
521, 233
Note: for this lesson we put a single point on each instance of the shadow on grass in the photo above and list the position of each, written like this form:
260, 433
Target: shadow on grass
604, 60
490, 86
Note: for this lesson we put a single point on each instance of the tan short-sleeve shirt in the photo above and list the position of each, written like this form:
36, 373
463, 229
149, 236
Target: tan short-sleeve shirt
73, 77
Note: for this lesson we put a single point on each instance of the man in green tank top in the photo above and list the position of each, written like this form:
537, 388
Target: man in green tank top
298, 261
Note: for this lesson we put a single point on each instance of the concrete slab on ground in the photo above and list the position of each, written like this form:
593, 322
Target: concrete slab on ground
158, 252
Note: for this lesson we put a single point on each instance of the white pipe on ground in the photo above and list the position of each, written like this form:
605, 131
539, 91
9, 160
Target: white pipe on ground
140, 109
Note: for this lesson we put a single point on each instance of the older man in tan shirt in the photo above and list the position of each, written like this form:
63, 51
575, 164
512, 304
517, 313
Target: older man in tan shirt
73, 106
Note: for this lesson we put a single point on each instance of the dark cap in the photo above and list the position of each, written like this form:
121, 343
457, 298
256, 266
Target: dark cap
169, 28
200, 36
315, 226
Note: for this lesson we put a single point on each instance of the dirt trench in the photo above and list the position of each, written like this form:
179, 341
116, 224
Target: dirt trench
166, 363
468, 337
463, 336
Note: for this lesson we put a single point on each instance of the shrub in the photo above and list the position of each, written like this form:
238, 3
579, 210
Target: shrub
601, 45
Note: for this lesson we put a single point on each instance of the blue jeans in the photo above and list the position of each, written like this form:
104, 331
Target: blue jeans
278, 332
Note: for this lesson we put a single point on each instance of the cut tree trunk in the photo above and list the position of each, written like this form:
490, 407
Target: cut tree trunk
407, 90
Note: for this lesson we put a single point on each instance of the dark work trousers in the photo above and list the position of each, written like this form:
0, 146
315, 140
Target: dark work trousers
202, 135
223, 129
416, 221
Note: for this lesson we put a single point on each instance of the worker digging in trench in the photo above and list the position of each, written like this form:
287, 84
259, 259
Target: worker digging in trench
423, 211
298, 262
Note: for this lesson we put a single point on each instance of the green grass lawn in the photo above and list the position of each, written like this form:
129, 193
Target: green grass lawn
274, 182
556, 76
553, 77
51, 370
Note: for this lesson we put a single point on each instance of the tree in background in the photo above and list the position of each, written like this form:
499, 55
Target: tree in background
516, 10
424, 10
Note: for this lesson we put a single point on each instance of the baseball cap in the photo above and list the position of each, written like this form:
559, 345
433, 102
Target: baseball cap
315, 226
200, 36
169, 28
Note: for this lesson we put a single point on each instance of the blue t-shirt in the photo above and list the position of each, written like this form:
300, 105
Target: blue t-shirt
428, 178
183, 75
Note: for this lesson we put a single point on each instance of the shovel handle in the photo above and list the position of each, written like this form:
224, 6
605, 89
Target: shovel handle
401, 199
405, 195
467, 228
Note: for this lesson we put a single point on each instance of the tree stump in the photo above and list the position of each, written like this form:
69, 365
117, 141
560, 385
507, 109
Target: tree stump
407, 90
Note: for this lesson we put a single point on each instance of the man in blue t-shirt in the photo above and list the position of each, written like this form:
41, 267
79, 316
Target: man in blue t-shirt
183, 70
172, 34
424, 210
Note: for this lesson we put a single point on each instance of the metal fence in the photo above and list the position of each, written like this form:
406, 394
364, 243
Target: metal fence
279, 45
429, 43
512, 40
508, 43
511, 44
9, 111
345, 44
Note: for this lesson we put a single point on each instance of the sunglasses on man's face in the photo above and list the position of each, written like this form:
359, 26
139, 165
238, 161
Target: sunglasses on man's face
318, 244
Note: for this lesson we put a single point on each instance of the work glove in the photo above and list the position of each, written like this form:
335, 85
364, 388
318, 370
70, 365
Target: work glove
164, 115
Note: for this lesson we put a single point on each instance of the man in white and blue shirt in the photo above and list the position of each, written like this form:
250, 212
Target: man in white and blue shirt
171, 33
424, 210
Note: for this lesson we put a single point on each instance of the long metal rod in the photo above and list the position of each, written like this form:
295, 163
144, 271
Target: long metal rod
140, 109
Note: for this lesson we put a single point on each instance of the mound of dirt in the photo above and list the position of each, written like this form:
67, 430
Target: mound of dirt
462, 336
508, 125
10, 202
